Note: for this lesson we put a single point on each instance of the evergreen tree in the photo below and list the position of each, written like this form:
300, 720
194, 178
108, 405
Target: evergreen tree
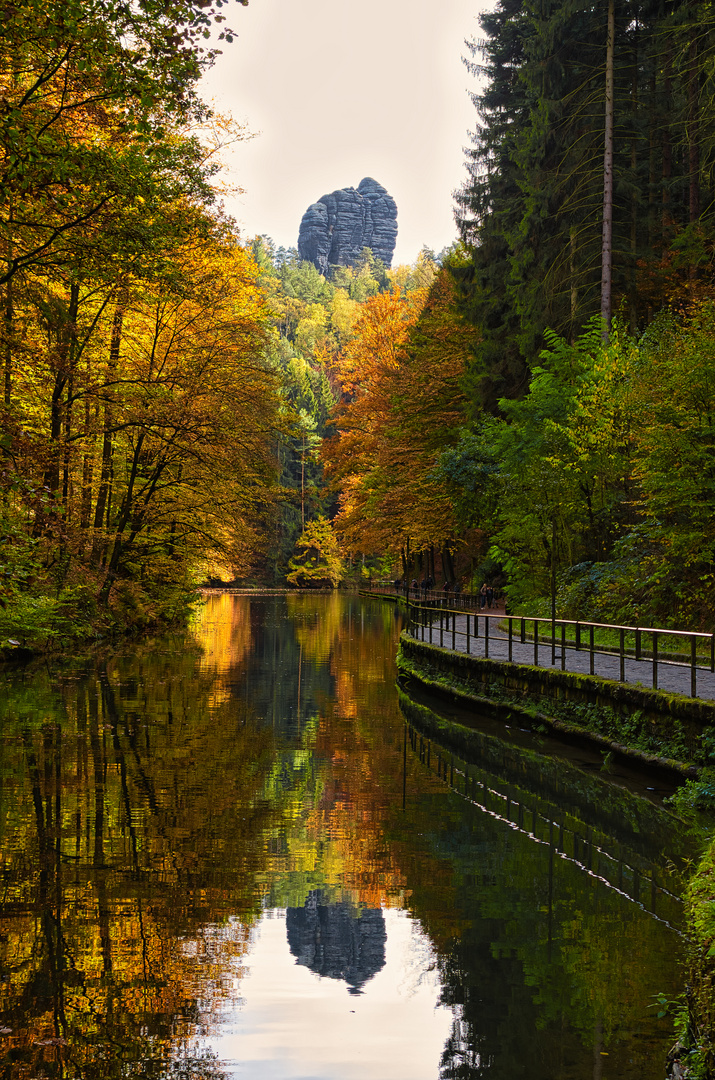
531, 212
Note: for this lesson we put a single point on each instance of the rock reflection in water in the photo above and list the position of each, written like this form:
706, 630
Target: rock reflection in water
160, 812
336, 942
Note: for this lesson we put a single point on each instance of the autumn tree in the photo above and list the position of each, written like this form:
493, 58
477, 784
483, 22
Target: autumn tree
402, 406
138, 408
317, 562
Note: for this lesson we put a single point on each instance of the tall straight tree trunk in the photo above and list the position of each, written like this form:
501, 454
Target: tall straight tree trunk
607, 242
103, 494
8, 318
71, 362
693, 144
88, 463
693, 135
574, 283
633, 304
652, 182
58, 407
66, 453
666, 220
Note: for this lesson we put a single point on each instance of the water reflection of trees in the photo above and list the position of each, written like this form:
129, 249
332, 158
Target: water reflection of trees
132, 817
541, 962
148, 810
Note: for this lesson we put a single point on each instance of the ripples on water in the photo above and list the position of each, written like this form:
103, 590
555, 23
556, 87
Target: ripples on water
214, 866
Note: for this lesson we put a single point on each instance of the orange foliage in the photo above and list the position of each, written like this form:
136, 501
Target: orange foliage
403, 405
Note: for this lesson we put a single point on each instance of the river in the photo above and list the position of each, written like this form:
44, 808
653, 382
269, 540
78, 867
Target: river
226, 855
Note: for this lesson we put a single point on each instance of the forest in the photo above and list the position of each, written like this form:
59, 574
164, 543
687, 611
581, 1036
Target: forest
181, 405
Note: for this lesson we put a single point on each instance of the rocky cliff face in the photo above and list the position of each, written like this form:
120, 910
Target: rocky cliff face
336, 228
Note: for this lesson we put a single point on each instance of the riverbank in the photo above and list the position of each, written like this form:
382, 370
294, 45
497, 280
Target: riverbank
633, 723
43, 624
623, 723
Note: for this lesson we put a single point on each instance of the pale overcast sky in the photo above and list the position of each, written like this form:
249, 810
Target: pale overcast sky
337, 91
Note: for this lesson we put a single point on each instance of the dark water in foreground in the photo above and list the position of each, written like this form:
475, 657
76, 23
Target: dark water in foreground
232, 863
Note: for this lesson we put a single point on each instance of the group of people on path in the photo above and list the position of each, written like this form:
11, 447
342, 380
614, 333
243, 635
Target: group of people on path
487, 593
486, 596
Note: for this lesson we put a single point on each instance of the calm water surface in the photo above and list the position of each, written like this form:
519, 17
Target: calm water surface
226, 855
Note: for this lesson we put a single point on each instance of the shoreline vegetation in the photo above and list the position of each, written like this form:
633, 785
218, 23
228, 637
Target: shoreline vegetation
43, 627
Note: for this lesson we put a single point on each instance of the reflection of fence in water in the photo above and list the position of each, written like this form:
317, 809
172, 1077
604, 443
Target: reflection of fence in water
634, 877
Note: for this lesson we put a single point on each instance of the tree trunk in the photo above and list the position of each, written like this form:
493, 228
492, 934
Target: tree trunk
65, 331
693, 135
72, 360
126, 509
574, 285
652, 180
633, 302
667, 172
447, 555
66, 453
87, 465
8, 317
103, 497
607, 242
302, 485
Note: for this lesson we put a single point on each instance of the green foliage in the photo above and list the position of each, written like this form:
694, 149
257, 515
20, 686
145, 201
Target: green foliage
19, 560
31, 620
602, 475
317, 562
696, 1021
695, 795
366, 279
302, 281
470, 471
549, 480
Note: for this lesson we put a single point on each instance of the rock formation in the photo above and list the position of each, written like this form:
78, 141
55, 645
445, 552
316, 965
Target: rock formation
337, 943
336, 228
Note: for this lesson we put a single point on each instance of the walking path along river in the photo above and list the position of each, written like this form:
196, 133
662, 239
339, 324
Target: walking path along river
466, 633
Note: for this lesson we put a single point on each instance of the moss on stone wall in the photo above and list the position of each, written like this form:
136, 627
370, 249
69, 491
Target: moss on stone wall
660, 729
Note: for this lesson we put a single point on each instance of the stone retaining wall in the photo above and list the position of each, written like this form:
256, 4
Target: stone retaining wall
633, 720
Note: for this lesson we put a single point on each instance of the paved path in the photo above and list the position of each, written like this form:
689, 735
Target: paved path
672, 677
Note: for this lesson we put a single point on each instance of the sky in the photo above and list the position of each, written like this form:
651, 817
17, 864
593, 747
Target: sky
335, 91
283, 1022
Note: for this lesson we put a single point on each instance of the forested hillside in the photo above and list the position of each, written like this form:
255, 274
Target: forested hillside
589, 207
534, 407
576, 451
318, 350
165, 386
